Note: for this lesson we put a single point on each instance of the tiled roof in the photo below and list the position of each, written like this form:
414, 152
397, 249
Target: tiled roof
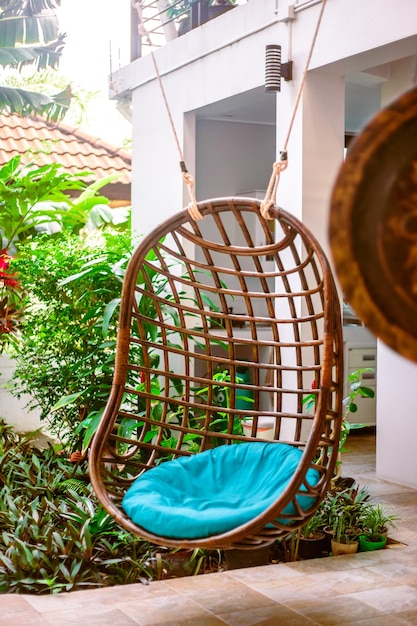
40, 142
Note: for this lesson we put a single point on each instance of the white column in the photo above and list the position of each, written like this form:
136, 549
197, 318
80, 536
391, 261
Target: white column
315, 150
396, 458
157, 189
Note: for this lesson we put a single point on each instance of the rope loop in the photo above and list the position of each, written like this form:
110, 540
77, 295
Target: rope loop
271, 193
193, 209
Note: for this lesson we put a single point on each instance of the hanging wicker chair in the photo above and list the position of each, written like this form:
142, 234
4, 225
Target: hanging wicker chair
226, 402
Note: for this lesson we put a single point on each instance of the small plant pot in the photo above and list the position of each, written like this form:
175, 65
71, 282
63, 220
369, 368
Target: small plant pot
329, 534
344, 548
367, 545
184, 25
313, 547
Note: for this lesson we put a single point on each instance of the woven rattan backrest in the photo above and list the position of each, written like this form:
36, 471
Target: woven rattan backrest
223, 321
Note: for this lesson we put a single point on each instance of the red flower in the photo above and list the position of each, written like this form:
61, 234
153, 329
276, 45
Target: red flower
4, 259
6, 278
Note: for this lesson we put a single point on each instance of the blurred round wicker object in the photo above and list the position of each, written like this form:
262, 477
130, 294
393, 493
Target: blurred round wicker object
373, 225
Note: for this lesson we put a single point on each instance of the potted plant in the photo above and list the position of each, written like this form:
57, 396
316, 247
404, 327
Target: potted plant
356, 390
375, 524
345, 532
312, 541
181, 12
342, 512
218, 7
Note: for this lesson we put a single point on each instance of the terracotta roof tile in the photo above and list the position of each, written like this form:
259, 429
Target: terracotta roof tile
41, 142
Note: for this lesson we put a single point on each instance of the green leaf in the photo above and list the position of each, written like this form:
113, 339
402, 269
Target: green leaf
27, 103
92, 422
108, 314
366, 392
66, 400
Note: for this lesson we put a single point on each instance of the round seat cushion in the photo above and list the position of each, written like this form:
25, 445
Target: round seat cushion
214, 491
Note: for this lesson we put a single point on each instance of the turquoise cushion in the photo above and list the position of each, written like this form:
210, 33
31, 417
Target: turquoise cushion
215, 491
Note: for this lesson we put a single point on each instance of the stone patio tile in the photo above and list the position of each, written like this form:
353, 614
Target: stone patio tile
390, 599
327, 610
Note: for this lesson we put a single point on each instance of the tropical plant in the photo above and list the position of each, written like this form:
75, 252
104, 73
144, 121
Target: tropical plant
36, 199
67, 335
30, 197
343, 511
355, 390
376, 522
53, 534
26, 197
29, 34
345, 526
176, 8
50, 81
314, 524
221, 398
171, 563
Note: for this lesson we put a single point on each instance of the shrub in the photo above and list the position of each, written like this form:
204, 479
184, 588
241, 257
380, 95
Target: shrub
53, 535
67, 334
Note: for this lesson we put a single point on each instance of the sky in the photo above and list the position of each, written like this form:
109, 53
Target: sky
98, 33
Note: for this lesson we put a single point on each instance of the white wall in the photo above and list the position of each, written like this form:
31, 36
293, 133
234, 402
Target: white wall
397, 376
397, 423
12, 410
232, 158
315, 152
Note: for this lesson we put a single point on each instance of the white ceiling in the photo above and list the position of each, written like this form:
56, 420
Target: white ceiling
258, 107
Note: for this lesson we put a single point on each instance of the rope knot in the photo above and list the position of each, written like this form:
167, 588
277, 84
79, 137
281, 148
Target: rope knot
265, 206
193, 209
271, 193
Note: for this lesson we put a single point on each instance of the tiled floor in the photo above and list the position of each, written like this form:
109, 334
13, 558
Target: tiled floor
368, 589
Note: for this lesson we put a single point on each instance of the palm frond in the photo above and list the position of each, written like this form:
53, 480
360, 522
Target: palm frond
27, 103
29, 22
32, 26
41, 56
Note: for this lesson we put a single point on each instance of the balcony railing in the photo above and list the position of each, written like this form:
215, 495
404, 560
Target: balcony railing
165, 20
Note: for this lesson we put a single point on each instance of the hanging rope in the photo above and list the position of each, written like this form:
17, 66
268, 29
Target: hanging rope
187, 178
280, 166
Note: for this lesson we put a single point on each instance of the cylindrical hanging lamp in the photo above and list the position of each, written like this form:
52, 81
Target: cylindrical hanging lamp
273, 67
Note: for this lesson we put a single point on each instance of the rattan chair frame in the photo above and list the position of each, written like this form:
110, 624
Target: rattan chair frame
200, 301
